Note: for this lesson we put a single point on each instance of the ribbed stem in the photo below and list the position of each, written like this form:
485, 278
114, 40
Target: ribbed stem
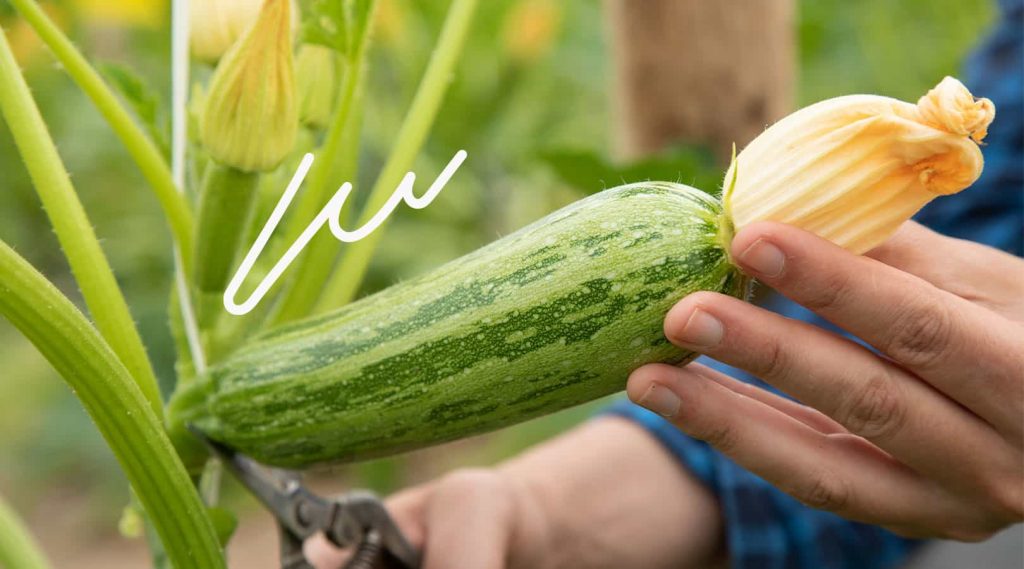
64, 336
18, 549
88, 263
340, 155
225, 202
345, 281
142, 150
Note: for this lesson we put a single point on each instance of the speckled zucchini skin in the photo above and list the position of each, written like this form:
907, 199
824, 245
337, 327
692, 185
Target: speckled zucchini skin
553, 315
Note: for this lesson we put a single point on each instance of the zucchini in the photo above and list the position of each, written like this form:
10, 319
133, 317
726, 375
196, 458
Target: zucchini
553, 315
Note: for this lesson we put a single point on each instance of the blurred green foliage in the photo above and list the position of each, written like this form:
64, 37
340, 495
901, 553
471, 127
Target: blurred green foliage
536, 127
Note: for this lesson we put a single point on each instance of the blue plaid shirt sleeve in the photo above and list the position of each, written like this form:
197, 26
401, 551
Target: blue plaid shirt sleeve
992, 210
764, 527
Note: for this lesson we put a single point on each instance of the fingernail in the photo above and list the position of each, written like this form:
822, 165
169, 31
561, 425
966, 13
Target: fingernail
702, 330
661, 400
764, 259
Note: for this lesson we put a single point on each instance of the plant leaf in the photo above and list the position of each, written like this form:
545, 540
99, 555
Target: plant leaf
144, 101
337, 24
224, 523
591, 172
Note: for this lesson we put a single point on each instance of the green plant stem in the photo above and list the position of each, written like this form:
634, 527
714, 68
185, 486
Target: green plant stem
340, 155
135, 434
88, 263
341, 288
225, 204
142, 150
17, 546
226, 197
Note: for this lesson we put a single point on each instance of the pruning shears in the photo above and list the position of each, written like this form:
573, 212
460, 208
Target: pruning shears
356, 520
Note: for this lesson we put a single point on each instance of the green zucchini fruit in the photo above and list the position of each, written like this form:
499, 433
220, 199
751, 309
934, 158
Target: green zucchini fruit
553, 315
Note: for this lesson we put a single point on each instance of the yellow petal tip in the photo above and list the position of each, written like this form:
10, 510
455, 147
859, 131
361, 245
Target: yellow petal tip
950, 106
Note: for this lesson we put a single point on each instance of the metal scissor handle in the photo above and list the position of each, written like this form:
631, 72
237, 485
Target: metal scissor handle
356, 519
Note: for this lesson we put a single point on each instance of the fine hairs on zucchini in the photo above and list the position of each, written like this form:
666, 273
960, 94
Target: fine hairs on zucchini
553, 315
560, 312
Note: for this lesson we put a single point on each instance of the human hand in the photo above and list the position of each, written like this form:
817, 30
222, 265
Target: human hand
603, 496
925, 439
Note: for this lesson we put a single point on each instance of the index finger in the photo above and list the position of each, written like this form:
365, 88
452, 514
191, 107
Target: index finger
965, 351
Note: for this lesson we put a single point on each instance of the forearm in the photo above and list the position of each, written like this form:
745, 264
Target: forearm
639, 506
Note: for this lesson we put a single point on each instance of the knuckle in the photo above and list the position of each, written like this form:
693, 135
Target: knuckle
477, 489
831, 292
473, 483
773, 361
723, 437
920, 335
480, 489
823, 492
874, 410
1006, 497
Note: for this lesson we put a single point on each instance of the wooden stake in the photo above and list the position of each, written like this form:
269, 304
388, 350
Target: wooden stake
704, 71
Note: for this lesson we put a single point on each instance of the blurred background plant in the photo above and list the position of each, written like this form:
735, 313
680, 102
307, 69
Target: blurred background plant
529, 103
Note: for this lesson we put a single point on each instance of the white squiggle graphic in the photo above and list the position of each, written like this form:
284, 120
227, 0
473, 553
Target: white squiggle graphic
329, 215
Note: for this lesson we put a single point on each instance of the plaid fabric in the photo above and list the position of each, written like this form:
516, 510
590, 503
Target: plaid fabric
992, 211
765, 528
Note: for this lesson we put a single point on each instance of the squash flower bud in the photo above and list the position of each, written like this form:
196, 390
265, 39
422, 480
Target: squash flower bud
853, 169
316, 72
217, 24
251, 115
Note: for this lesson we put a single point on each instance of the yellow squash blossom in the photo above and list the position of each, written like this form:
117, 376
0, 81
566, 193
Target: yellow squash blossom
852, 169
215, 25
250, 119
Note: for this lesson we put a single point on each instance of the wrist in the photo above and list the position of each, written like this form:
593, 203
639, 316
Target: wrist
540, 538
605, 495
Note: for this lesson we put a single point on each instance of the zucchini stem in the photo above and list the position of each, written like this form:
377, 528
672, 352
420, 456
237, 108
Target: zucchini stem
726, 228
118, 407
344, 283
89, 265
338, 154
225, 204
142, 150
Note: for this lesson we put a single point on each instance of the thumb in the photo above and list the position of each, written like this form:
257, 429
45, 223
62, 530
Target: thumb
406, 509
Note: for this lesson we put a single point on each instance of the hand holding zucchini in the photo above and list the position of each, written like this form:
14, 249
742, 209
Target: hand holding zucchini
561, 311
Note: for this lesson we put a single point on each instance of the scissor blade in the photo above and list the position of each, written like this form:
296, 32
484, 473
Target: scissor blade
300, 511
